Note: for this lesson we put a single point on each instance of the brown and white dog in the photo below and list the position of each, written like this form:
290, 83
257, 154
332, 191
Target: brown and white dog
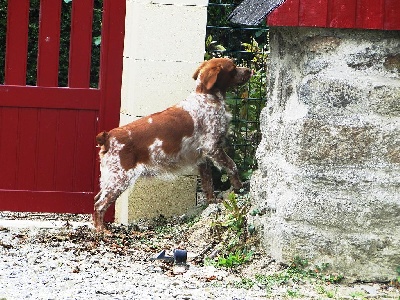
188, 134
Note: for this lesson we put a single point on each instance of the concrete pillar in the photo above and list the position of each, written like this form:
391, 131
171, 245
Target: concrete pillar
164, 44
328, 183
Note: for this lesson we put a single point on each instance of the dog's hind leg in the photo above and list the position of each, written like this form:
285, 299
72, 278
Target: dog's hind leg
97, 197
113, 184
222, 160
105, 199
207, 181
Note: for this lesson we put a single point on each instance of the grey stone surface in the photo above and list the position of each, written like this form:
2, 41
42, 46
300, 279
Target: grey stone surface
329, 161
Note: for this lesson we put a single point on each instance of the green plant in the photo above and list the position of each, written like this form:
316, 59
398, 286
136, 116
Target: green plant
244, 283
245, 104
213, 49
249, 47
320, 272
358, 295
298, 263
396, 281
298, 271
292, 293
231, 229
323, 291
237, 214
234, 259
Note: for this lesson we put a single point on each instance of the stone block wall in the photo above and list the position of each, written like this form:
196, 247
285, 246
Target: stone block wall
328, 182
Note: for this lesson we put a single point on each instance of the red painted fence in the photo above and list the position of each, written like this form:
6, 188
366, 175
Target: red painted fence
48, 157
366, 14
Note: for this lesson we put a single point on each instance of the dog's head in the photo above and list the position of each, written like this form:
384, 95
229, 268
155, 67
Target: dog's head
218, 74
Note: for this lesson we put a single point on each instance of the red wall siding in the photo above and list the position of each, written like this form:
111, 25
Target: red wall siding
342, 14
367, 14
287, 14
313, 13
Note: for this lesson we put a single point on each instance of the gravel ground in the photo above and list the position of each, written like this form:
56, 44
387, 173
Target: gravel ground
67, 260
36, 271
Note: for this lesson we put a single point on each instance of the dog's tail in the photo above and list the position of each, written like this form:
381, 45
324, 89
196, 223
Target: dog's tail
102, 141
102, 138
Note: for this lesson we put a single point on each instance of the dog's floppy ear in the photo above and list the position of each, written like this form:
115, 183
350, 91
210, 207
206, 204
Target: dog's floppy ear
196, 74
208, 74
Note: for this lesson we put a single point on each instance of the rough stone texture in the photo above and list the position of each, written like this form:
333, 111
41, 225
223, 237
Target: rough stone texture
328, 182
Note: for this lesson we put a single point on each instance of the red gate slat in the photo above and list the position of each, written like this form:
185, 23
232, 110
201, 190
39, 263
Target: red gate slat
8, 147
392, 15
85, 155
17, 42
47, 133
342, 14
370, 14
113, 29
313, 13
65, 154
27, 149
80, 43
49, 42
285, 15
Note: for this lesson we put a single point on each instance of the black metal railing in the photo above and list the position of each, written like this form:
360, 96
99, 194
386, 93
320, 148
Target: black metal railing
248, 46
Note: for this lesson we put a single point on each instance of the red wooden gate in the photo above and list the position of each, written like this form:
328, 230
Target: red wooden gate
48, 159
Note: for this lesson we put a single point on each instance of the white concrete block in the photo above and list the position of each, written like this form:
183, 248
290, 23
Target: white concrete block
172, 2
153, 86
165, 32
164, 44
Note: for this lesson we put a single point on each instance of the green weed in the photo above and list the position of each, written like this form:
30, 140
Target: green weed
293, 293
235, 219
237, 214
231, 229
299, 271
358, 295
234, 259
396, 281
323, 291
244, 283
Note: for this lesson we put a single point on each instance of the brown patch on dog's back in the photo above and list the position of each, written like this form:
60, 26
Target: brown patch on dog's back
139, 135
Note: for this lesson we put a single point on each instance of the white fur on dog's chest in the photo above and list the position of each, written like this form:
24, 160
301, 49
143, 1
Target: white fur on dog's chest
208, 113
210, 120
